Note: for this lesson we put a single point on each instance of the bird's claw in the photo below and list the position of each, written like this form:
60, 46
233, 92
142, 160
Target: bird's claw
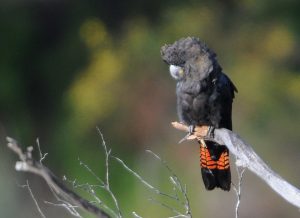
191, 129
191, 132
210, 132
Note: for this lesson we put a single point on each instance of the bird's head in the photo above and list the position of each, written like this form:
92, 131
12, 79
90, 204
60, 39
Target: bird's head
189, 58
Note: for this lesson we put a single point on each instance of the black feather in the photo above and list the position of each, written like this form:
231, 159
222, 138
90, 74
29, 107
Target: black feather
204, 96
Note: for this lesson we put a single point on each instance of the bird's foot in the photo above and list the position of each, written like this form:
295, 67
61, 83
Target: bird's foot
191, 132
210, 133
191, 129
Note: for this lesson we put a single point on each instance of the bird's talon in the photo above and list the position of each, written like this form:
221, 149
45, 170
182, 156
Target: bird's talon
210, 132
191, 129
190, 132
184, 138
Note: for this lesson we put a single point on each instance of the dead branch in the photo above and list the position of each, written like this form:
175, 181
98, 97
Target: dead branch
33, 198
246, 157
27, 164
178, 188
106, 183
238, 189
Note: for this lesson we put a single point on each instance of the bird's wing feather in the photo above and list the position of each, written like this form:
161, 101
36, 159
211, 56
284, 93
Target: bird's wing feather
226, 94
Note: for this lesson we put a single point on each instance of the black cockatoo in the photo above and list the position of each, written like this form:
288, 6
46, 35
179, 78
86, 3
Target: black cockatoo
204, 97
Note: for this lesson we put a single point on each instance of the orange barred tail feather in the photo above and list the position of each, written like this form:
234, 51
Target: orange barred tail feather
215, 166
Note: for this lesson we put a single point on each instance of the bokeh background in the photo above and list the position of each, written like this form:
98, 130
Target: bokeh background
69, 66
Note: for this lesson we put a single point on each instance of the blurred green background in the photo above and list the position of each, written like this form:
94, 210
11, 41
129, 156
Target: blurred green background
69, 66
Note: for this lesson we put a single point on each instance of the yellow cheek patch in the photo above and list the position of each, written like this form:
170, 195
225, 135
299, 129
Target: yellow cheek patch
181, 72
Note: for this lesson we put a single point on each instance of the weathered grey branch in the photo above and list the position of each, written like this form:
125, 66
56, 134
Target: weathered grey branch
238, 189
178, 188
33, 198
247, 157
28, 164
106, 184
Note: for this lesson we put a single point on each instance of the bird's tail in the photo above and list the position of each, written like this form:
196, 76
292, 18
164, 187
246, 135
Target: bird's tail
215, 166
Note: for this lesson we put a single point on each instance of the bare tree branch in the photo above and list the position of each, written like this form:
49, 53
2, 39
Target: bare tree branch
28, 164
34, 200
177, 184
177, 187
90, 189
247, 158
172, 209
42, 156
136, 215
238, 189
106, 184
64, 204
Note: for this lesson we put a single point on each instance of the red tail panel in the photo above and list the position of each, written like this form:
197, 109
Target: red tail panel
205, 158
215, 167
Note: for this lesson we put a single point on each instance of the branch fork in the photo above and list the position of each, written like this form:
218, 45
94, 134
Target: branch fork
26, 163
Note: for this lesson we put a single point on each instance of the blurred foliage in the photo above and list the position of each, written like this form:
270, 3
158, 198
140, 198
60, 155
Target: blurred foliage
68, 66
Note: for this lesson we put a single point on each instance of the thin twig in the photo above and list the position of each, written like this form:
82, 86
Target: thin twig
34, 199
148, 185
42, 156
136, 215
70, 209
176, 181
166, 206
28, 164
81, 163
240, 172
65, 204
92, 192
107, 186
